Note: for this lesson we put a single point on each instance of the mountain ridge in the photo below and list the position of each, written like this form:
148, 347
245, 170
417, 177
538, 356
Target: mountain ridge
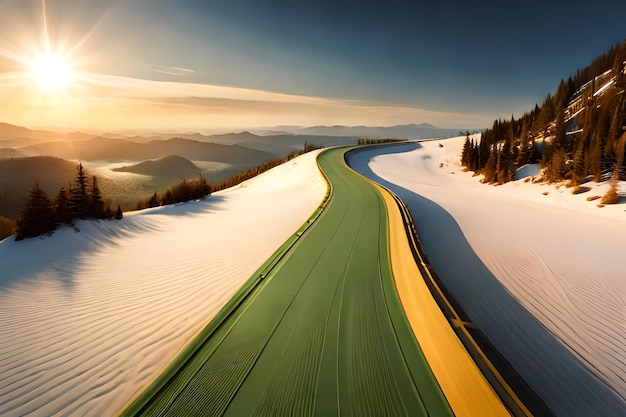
100, 148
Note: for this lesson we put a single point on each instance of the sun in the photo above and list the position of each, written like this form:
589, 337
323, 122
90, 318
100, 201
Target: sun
51, 72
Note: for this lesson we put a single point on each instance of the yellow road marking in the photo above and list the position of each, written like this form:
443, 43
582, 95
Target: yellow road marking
462, 325
465, 387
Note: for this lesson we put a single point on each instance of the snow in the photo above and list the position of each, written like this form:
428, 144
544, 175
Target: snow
538, 269
89, 318
604, 87
525, 171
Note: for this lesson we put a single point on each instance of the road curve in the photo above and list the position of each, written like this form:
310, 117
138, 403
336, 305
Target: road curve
323, 332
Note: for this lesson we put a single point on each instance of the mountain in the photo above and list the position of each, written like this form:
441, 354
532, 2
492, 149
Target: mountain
409, 131
577, 133
172, 166
6, 153
18, 175
100, 148
226, 138
9, 131
203, 151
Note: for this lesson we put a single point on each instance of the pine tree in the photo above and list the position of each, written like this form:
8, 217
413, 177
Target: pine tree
559, 128
523, 156
62, 209
561, 96
489, 171
595, 158
79, 194
547, 113
557, 166
38, 215
547, 151
578, 164
503, 168
484, 150
473, 156
118, 213
154, 200
203, 187
465, 153
96, 204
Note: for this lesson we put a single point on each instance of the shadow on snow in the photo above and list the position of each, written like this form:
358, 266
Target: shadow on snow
560, 378
57, 256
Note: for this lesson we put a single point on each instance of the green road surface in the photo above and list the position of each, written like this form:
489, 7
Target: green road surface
323, 333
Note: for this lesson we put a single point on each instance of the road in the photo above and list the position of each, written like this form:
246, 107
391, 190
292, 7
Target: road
323, 333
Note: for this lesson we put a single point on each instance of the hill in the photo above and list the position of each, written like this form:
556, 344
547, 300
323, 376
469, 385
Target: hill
7, 153
18, 175
93, 301
577, 133
172, 166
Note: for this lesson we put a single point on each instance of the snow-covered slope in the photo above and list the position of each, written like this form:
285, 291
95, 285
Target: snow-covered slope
500, 248
89, 318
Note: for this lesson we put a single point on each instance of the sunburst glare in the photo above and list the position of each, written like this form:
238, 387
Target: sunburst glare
45, 65
51, 72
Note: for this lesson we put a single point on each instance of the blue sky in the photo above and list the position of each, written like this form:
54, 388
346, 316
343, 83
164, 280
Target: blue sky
481, 59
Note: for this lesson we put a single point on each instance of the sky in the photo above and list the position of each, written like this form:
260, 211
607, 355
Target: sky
204, 65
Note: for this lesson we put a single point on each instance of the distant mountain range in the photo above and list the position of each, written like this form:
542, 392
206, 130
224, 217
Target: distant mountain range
29, 155
410, 131
100, 148
274, 140
9, 131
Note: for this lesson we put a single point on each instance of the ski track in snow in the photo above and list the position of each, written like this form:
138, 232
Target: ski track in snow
88, 319
541, 275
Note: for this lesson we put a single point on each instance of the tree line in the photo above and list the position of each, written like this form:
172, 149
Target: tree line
81, 200
186, 190
364, 141
578, 132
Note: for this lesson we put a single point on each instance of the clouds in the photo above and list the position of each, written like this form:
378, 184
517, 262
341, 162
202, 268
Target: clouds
461, 64
103, 102
203, 105
492, 57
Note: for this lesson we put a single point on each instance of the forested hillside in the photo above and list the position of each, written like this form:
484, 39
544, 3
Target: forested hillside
576, 133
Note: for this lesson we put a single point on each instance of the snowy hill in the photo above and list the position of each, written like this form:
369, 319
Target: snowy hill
88, 319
